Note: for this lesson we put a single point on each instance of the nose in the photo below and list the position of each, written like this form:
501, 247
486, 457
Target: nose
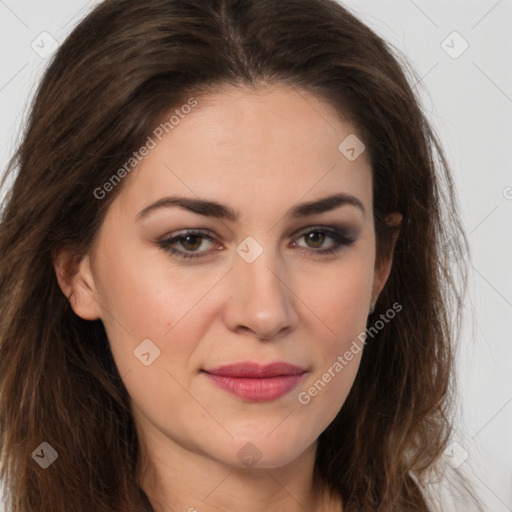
261, 300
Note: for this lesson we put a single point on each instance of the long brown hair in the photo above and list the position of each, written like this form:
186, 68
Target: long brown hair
113, 80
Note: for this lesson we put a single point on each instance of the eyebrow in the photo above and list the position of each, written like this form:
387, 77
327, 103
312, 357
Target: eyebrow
221, 211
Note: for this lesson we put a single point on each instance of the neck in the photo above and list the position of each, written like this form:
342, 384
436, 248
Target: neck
179, 479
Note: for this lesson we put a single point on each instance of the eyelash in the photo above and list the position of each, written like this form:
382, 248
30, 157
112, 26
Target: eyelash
339, 237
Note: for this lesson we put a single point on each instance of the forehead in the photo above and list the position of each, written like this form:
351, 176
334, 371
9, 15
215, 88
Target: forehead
263, 148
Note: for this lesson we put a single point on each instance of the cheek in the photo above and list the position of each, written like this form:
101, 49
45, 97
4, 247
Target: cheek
341, 303
147, 298
143, 291
340, 297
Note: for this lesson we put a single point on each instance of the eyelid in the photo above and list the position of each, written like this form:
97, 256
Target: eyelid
342, 235
167, 241
339, 229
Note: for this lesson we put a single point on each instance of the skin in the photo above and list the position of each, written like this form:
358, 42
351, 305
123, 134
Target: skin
260, 152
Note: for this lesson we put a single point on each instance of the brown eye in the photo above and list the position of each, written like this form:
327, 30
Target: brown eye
191, 242
317, 238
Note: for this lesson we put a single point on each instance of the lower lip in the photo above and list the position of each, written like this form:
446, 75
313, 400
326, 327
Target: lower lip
257, 390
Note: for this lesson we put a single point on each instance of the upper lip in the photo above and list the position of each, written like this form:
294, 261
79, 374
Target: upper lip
256, 370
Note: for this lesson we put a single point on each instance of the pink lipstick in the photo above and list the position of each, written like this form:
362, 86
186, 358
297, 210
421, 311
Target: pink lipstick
255, 382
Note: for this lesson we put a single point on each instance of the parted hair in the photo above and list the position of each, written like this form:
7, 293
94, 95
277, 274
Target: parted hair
111, 82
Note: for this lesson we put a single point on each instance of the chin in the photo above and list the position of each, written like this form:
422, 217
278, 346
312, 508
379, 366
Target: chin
263, 452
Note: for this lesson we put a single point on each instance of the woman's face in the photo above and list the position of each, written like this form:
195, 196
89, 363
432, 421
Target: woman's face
252, 286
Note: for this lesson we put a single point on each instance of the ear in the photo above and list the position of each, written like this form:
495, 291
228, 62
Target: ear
383, 268
76, 282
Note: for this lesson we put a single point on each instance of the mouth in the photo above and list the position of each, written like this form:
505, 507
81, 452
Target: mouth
255, 382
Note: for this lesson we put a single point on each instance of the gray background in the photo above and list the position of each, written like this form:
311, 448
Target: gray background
468, 97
